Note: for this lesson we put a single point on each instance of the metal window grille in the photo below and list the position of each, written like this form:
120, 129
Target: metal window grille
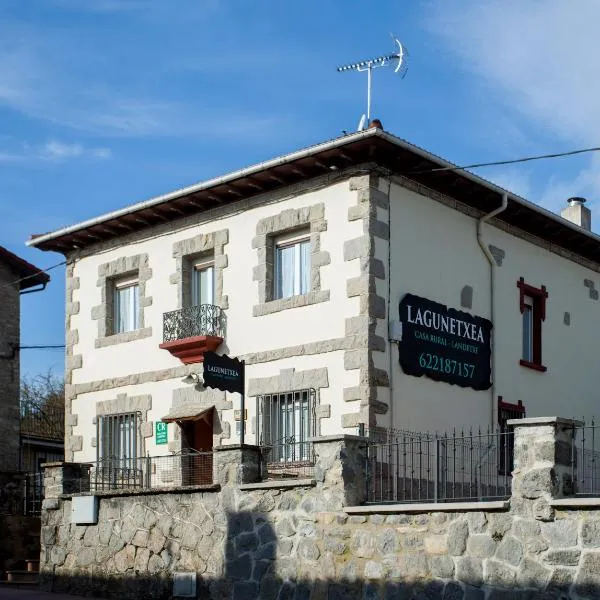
118, 440
286, 422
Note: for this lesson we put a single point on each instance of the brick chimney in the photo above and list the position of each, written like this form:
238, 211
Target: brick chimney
577, 213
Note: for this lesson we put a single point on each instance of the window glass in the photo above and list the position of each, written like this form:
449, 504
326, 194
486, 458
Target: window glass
126, 307
202, 285
292, 269
528, 333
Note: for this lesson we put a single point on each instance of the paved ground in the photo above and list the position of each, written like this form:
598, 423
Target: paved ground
7, 593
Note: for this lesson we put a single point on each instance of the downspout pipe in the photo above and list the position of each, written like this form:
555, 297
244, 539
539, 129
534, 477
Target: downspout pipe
492, 261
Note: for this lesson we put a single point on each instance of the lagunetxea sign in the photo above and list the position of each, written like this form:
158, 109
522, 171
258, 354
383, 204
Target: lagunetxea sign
227, 374
444, 344
223, 372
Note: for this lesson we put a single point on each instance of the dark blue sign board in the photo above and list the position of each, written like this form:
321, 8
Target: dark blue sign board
226, 374
444, 344
223, 372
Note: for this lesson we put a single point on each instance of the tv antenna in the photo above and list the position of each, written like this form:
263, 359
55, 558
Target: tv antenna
398, 59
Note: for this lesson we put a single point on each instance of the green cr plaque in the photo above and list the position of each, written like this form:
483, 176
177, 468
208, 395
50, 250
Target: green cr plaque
161, 436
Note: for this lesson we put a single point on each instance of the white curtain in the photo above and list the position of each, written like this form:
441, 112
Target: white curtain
126, 301
203, 286
286, 263
304, 252
126, 450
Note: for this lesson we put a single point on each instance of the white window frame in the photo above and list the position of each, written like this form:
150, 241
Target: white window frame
527, 334
294, 240
134, 311
197, 267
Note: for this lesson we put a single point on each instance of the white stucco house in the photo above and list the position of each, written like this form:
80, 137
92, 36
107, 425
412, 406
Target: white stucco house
360, 284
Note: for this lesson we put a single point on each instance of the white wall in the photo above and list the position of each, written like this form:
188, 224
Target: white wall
434, 254
245, 333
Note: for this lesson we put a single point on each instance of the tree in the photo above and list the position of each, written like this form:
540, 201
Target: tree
43, 406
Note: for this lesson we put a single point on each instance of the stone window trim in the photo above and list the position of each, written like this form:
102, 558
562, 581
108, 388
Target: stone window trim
310, 219
536, 298
108, 273
124, 404
209, 246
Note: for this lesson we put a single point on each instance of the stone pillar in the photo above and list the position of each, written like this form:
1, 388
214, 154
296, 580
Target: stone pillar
340, 461
542, 471
65, 478
236, 464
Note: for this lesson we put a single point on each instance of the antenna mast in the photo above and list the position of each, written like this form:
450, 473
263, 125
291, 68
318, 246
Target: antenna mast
374, 63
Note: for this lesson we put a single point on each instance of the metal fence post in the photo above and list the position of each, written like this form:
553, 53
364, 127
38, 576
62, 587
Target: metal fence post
367, 473
148, 471
436, 468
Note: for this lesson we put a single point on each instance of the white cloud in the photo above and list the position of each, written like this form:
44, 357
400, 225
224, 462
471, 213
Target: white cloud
539, 54
516, 180
71, 79
52, 151
538, 58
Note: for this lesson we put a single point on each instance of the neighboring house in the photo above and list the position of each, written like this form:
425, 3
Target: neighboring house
17, 276
306, 266
42, 436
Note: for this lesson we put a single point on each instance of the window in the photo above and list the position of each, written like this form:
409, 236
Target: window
117, 437
292, 266
506, 446
532, 303
202, 282
528, 329
126, 305
287, 422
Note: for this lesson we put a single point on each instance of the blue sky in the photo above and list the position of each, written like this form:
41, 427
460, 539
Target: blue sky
105, 103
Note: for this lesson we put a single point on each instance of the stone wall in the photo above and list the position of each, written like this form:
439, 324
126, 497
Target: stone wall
9, 371
312, 539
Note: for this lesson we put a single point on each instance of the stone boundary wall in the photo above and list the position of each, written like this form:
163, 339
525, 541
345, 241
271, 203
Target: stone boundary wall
312, 541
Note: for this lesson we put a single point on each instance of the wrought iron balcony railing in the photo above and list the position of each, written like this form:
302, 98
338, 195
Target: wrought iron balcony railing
193, 321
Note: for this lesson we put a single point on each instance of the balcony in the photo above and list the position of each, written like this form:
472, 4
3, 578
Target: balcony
190, 332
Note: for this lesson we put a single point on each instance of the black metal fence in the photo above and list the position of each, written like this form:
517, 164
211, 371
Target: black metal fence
405, 466
585, 458
188, 468
193, 321
33, 493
